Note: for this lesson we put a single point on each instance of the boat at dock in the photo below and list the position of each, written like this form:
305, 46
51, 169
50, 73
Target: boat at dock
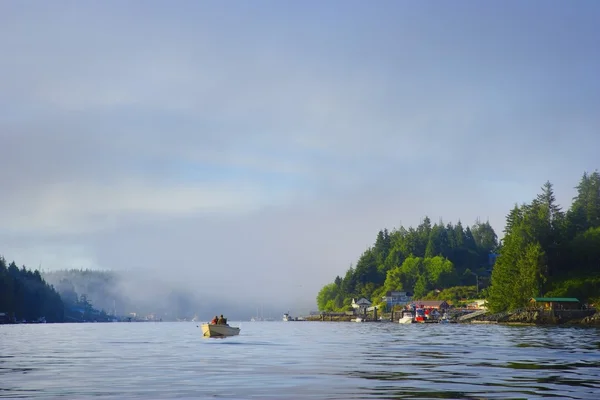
219, 330
407, 317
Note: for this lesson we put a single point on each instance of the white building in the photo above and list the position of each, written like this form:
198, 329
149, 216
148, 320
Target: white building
360, 306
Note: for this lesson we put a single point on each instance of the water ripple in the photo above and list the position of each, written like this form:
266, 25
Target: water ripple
299, 360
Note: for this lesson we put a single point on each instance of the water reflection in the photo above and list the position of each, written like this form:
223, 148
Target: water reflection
299, 360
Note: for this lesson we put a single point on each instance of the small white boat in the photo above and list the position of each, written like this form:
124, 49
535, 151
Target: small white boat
444, 319
212, 330
407, 317
287, 317
358, 319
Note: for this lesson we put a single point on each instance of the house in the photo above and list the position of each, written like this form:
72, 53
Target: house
360, 306
395, 298
477, 305
555, 303
441, 305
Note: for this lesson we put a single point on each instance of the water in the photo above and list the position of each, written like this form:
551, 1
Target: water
299, 360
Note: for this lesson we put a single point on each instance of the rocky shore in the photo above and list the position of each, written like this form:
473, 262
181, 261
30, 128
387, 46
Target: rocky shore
541, 317
593, 319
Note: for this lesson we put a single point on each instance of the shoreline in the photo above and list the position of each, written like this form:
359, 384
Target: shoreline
582, 318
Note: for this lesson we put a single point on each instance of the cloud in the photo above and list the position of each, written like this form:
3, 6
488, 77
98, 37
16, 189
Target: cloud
261, 148
83, 208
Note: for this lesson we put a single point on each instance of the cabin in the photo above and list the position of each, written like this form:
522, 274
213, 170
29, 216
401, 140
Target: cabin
396, 298
441, 305
479, 304
360, 306
555, 303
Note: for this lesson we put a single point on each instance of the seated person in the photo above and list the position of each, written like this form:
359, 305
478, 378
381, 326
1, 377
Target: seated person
215, 320
220, 321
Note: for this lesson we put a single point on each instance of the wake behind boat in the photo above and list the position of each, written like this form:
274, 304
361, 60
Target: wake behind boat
219, 330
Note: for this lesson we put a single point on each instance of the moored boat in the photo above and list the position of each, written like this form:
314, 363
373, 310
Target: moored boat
219, 330
420, 316
407, 317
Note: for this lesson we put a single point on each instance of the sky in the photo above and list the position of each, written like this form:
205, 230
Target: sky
251, 151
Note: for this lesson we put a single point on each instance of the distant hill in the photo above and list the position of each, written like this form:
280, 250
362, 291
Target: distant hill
123, 293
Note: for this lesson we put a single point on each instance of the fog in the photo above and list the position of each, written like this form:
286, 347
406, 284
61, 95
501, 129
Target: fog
248, 155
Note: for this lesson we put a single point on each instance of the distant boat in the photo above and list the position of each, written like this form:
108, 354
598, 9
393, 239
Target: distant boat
287, 317
358, 319
211, 330
257, 317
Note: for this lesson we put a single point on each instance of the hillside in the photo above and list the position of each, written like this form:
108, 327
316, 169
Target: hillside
545, 251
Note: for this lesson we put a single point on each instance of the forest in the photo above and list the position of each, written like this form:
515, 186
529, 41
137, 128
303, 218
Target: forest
544, 252
549, 252
424, 260
78, 295
26, 296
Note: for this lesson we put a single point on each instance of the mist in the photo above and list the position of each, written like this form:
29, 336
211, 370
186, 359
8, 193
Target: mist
244, 156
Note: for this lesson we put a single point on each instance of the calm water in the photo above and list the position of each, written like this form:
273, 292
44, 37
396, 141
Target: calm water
299, 360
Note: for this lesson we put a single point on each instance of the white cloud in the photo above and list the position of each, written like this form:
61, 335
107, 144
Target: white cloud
274, 147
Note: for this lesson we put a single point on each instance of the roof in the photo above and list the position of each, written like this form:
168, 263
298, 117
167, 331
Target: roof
556, 299
361, 301
391, 293
430, 303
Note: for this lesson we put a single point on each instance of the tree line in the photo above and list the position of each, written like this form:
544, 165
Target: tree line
423, 260
549, 252
545, 252
26, 296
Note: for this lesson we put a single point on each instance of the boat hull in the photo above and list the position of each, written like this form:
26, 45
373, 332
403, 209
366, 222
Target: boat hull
209, 330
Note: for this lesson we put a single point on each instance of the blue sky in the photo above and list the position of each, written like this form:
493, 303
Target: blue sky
275, 139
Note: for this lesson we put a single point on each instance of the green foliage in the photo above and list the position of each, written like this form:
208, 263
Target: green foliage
580, 288
413, 260
454, 294
24, 295
547, 252
421, 287
326, 297
585, 250
544, 251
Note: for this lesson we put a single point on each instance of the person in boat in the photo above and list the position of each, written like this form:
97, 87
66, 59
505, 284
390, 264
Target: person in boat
222, 321
215, 320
